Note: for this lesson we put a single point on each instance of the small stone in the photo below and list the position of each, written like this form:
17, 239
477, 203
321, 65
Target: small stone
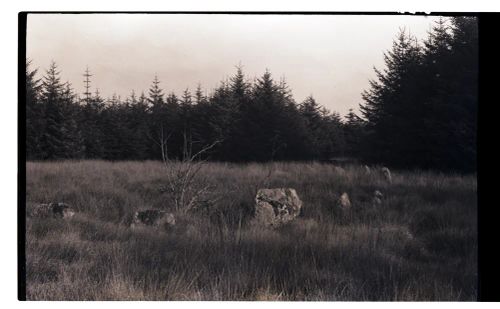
344, 201
387, 174
63, 210
153, 218
51, 210
377, 198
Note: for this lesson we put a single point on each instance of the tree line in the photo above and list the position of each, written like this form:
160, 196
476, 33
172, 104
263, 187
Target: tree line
420, 112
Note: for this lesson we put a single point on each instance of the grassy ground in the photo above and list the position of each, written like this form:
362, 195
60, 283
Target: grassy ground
420, 244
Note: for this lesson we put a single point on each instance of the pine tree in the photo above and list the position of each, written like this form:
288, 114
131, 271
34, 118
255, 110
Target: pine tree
159, 124
435, 79
52, 141
421, 112
391, 104
451, 70
34, 117
186, 107
239, 87
270, 125
73, 139
200, 98
258, 137
201, 114
324, 130
113, 125
465, 63
86, 82
155, 93
354, 135
91, 121
222, 119
310, 110
136, 120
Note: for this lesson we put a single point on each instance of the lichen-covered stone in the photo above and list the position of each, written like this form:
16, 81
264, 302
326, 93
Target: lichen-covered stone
276, 207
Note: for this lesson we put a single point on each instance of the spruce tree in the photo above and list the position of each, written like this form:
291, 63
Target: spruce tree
200, 98
73, 139
52, 141
464, 94
155, 93
92, 126
158, 116
34, 115
185, 113
391, 104
354, 135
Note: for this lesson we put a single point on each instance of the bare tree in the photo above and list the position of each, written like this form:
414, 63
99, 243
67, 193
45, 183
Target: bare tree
184, 185
161, 141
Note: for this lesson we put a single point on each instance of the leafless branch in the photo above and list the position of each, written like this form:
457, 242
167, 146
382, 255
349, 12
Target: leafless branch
183, 185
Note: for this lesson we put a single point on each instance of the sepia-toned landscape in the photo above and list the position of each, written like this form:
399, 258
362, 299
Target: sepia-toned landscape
246, 190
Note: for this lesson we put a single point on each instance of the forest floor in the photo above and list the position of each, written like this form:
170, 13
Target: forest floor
419, 244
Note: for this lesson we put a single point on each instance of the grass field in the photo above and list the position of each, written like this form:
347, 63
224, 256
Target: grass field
420, 244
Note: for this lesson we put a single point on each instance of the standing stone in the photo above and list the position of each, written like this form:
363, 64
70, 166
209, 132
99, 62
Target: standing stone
387, 174
275, 207
377, 198
344, 201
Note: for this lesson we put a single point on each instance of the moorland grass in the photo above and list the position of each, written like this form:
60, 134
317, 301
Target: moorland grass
419, 244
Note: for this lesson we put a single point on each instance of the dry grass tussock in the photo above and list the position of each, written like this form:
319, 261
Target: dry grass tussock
419, 244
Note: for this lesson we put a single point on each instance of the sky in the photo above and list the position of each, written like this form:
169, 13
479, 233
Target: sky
328, 56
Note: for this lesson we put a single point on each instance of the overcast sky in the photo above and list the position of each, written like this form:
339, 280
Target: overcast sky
330, 57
